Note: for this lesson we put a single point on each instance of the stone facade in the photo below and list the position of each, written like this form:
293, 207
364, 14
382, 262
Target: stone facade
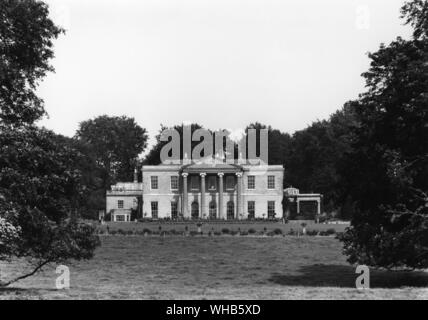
193, 191
122, 199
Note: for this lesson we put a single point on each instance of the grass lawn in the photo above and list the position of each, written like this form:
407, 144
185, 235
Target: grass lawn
136, 267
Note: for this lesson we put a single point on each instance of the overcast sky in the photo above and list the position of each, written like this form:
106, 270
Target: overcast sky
221, 63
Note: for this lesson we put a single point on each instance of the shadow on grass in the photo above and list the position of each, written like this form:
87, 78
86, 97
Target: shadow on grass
30, 291
320, 275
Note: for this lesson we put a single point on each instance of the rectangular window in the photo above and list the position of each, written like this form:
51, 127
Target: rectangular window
120, 217
271, 182
230, 183
154, 182
251, 209
174, 210
212, 183
194, 182
174, 183
120, 204
251, 182
271, 209
154, 205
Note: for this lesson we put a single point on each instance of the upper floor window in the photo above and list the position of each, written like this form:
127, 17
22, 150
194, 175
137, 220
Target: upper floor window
251, 182
230, 182
153, 182
120, 204
174, 182
271, 182
212, 183
194, 183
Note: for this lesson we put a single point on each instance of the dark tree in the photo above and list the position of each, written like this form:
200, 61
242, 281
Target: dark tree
314, 156
26, 35
387, 171
278, 143
153, 157
40, 184
40, 190
115, 143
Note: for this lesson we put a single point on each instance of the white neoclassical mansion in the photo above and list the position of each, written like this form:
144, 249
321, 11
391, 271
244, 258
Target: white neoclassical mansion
202, 191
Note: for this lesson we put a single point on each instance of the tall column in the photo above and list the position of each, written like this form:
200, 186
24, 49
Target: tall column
319, 206
185, 201
220, 195
203, 212
238, 195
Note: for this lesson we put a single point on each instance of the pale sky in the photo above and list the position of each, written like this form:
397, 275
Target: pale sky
221, 63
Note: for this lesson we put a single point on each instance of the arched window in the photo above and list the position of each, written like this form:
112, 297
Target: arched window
213, 210
230, 210
195, 210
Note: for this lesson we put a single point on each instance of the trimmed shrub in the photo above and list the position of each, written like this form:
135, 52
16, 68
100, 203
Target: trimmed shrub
251, 231
121, 232
130, 232
113, 232
225, 231
330, 231
292, 232
148, 231
277, 231
311, 232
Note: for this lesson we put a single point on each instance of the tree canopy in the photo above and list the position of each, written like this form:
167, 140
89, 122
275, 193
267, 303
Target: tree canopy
26, 46
387, 171
40, 184
115, 143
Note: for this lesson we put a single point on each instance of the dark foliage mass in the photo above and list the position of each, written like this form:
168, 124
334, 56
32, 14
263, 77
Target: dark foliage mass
26, 35
387, 171
41, 185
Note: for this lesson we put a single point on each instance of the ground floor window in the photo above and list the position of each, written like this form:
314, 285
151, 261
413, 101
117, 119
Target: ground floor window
271, 209
195, 210
155, 209
251, 209
213, 210
120, 217
230, 210
174, 210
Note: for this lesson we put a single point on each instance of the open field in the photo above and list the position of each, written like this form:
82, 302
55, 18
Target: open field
136, 267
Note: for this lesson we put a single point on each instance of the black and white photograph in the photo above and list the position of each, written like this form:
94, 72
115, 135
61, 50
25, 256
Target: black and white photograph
230, 152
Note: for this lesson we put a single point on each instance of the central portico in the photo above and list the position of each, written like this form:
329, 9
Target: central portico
207, 187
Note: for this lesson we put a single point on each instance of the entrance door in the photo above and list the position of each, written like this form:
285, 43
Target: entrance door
195, 210
230, 210
213, 210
